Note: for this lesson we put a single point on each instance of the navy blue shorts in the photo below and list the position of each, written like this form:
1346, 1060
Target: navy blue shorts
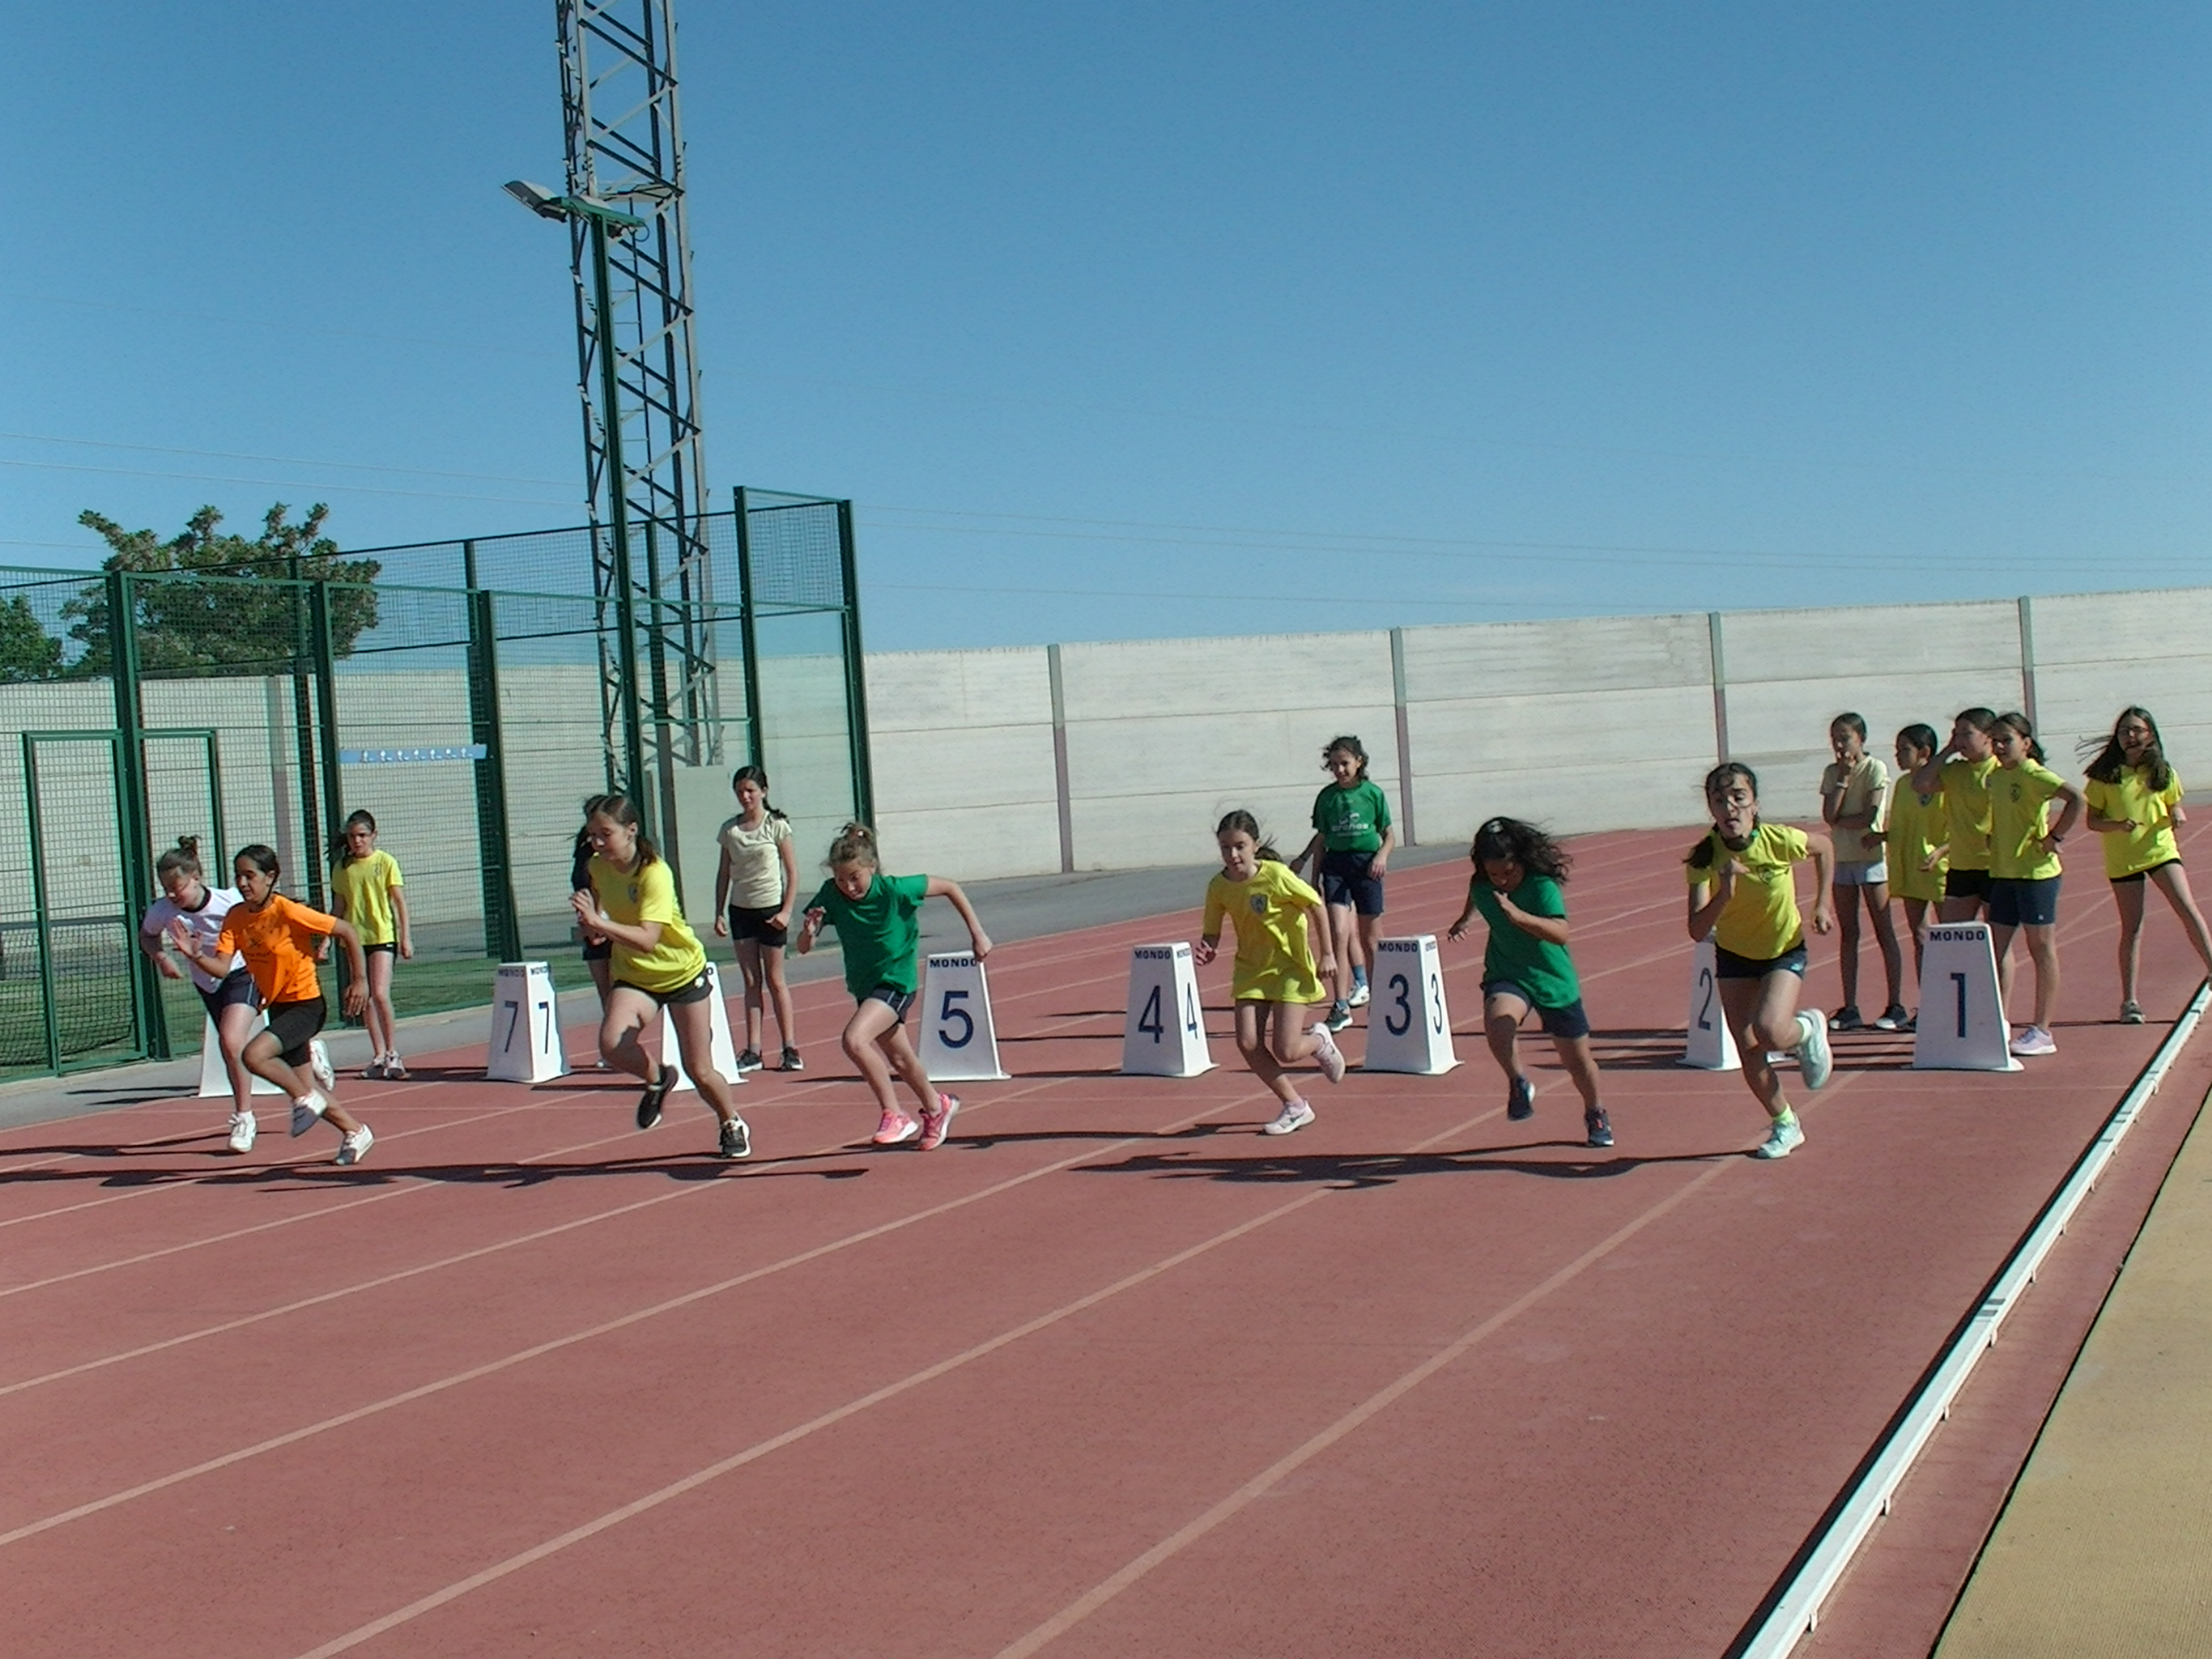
1345, 880
1565, 1022
2016, 902
236, 988
1728, 965
892, 997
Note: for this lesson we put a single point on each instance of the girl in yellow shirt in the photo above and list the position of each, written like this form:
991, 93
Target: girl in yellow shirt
368, 890
1960, 771
1275, 979
2024, 868
1914, 840
1743, 896
2134, 798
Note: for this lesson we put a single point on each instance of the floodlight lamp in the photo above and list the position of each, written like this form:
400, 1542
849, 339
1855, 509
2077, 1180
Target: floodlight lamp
539, 199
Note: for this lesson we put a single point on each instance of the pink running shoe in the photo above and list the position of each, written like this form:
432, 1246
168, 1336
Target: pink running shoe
934, 1124
1330, 1057
894, 1127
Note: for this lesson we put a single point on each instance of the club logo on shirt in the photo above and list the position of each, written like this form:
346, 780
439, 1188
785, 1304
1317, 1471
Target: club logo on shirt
1259, 902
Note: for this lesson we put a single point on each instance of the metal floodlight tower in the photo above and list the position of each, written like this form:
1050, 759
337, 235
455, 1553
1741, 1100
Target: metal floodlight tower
638, 376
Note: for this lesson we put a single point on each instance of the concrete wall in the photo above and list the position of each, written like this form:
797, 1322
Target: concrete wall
1588, 724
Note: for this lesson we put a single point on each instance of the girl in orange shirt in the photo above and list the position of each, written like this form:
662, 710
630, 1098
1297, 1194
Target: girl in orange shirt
276, 936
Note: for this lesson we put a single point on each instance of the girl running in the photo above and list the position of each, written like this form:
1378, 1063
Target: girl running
367, 890
1517, 871
1852, 791
1913, 838
1275, 979
754, 887
1350, 854
598, 952
1744, 895
658, 962
278, 938
2134, 798
1960, 773
229, 997
2024, 868
878, 921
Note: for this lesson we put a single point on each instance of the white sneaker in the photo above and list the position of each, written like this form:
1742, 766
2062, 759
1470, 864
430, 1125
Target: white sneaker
1358, 997
1292, 1117
2035, 1040
1814, 1058
304, 1112
1328, 1055
243, 1129
355, 1147
1784, 1138
318, 1062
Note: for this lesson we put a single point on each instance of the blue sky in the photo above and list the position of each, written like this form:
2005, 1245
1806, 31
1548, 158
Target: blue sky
1145, 319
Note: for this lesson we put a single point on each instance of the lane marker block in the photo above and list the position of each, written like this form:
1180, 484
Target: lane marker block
214, 1076
1164, 1031
1711, 1045
1408, 1024
726, 1051
959, 1043
1961, 1026
526, 1038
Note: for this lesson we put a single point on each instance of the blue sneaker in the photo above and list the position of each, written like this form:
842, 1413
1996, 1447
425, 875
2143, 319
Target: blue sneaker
1521, 1100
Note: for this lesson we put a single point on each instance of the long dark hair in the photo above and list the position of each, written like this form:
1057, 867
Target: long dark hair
1350, 746
2017, 723
1231, 822
341, 848
1524, 843
2111, 764
623, 810
1701, 856
755, 774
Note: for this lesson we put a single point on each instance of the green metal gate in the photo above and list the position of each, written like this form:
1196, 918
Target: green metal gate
99, 1003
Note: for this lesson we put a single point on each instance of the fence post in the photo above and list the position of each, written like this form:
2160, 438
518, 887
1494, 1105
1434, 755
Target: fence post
303, 734
494, 853
1405, 734
1720, 686
327, 705
1061, 796
748, 632
136, 828
2027, 662
856, 688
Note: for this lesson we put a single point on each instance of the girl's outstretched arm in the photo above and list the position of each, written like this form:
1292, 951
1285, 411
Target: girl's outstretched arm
950, 891
1460, 922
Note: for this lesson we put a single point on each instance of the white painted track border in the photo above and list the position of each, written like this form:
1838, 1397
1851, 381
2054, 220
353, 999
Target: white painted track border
1796, 1609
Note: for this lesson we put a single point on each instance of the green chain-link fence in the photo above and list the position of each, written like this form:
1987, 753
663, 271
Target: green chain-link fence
462, 699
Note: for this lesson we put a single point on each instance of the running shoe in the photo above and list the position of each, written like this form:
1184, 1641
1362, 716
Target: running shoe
1597, 1128
394, 1071
1294, 1116
894, 1127
355, 1147
1894, 1018
1360, 993
791, 1059
2132, 1014
649, 1102
1846, 1018
1339, 1015
2035, 1040
304, 1112
736, 1139
1521, 1100
749, 1060
1814, 1057
374, 1069
243, 1129
1330, 1056
934, 1124
1784, 1138
318, 1062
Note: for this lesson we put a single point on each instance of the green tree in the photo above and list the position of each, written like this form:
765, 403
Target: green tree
27, 652
224, 604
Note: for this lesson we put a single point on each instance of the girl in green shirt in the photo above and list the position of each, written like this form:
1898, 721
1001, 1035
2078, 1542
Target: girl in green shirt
1517, 871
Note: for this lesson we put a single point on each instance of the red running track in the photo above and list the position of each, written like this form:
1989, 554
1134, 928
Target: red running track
1111, 1374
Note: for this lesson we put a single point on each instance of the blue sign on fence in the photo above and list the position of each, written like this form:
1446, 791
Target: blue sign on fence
463, 751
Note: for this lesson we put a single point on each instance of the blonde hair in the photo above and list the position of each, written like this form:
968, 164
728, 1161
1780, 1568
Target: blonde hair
855, 844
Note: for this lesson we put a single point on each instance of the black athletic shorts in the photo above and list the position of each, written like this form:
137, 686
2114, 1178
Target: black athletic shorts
1568, 1022
2137, 878
697, 991
293, 1023
892, 997
1966, 884
1728, 965
746, 922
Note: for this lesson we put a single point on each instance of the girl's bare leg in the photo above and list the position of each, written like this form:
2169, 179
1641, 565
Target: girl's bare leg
1252, 1043
2043, 951
1343, 949
899, 1050
1916, 918
864, 1045
628, 1009
1581, 1061
233, 1032
2128, 899
1763, 1015
264, 1058
694, 1040
2001, 942
602, 979
383, 1031
1289, 1036
2173, 882
1847, 940
749, 965
779, 994
1884, 939
1501, 1030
